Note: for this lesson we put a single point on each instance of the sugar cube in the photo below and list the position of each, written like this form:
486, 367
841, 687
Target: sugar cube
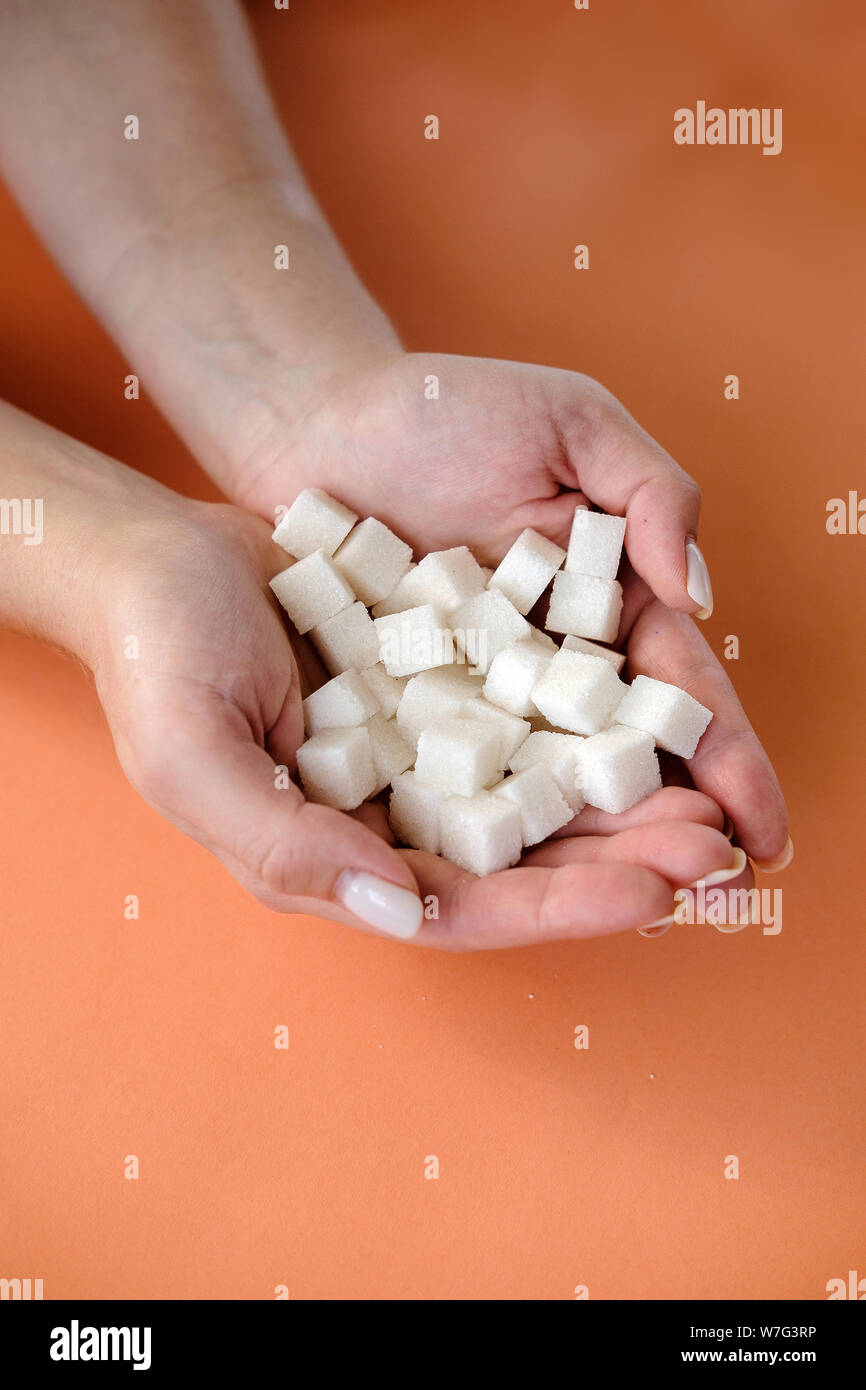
314, 521
336, 767
580, 644
415, 640
513, 673
617, 768
391, 753
483, 625
578, 692
527, 568
674, 718
480, 833
543, 639
413, 812
457, 756
595, 544
347, 641
537, 797
387, 689
558, 753
312, 590
373, 559
510, 729
585, 606
407, 593
447, 578
340, 703
433, 695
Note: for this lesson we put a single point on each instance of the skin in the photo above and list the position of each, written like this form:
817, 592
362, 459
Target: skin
284, 380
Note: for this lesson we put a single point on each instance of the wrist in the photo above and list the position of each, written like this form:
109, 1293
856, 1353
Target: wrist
57, 583
233, 347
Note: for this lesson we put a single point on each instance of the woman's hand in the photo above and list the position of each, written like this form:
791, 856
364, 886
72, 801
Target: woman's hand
498, 447
203, 689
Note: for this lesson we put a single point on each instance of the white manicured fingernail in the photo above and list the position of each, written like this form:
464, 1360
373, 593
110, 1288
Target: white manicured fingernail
657, 928
380, 903
781, 861
722, 875
698, 579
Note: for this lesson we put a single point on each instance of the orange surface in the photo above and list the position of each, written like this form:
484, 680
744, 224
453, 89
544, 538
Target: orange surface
558, 1167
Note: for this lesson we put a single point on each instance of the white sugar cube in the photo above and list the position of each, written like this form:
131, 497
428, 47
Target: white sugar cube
579, 693
431, 695
413, 812
457, 756
527, 568
343, 702
580, 644
617, 768
543, 639
373, 559
447, 578
407, 593
391, 752
387, 689
415, 640
480, 833
312, 590
585, 606
558, 753
511, 730
513, 674
314, 521
484, 625
675, 719
336, 767
595, 544
541, 804
347, 641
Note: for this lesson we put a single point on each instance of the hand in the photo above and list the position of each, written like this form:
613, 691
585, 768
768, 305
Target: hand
210, 708
507, 446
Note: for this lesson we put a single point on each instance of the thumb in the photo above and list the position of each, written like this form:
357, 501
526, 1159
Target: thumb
623, 470
226, 792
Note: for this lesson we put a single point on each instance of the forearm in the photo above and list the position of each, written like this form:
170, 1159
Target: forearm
65, 511
171, 237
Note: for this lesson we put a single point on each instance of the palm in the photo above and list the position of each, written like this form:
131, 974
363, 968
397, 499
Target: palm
504, 446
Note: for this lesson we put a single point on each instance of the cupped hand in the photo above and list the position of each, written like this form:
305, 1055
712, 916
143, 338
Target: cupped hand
202, 689
464, 451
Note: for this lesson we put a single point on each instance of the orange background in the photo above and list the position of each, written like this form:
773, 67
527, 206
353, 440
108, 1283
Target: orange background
558, 1167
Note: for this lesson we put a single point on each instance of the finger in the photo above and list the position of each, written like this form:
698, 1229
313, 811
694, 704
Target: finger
627, 473
225, 791
526, 906
678, 851
730, 765
667, 804
728, 905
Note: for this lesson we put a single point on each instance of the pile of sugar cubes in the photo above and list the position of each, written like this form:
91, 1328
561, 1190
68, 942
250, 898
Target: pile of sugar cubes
490, 735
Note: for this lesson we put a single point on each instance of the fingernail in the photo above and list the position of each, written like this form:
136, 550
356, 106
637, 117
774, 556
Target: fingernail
728, 928
380, 903
698, 583
781, 861
722, 875
728, 828
657, 928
